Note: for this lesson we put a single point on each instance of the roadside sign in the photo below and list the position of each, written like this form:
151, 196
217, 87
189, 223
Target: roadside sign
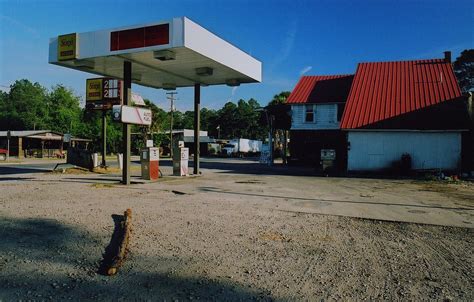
137, 100
103, 93
67, 47
131, 115
67, 137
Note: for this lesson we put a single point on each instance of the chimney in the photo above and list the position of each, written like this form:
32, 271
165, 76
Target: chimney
447, 56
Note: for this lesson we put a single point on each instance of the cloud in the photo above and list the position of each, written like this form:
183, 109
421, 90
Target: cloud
305, 70
287, 45
232, 93
19, 24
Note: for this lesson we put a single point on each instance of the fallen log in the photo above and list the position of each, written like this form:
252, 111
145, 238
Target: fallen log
123, 240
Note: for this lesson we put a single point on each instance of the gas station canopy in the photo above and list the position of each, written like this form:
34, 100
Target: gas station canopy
168, 54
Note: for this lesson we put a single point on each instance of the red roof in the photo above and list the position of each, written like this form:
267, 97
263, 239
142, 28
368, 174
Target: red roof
387, 89
321, 89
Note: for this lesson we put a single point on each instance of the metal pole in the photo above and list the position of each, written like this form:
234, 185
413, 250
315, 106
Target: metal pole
171, 129
8, 147
127, 83
171, 98
270, 141
197, 111
104, 137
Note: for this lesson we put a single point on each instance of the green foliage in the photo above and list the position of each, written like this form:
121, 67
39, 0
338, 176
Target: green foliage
29, 106
279, 98
464, 69
64, 111
277, 107
25, 107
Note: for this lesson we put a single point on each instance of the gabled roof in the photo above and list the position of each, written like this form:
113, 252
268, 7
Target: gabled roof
321, 89
385, 90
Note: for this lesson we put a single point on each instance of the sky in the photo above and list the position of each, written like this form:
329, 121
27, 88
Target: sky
290, 38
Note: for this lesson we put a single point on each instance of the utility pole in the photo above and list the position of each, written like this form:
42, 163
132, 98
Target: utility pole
172, 99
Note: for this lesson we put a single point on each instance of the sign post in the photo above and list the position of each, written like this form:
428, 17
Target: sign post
127, 83
9, 135
104, 138
102, 94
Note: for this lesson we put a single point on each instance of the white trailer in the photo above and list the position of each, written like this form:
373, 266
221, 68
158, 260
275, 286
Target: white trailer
242, 146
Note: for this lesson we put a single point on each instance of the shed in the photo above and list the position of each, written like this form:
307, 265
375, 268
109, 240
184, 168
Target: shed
33, 143
414, 107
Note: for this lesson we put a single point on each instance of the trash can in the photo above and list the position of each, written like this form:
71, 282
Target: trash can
180, 162
149, 159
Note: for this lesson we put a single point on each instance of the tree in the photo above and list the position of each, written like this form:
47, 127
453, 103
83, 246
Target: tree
64, 111
282, 120
226, 120
25, 107
278, 108
464, 69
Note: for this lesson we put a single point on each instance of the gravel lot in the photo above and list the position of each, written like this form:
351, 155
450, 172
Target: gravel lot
196, 239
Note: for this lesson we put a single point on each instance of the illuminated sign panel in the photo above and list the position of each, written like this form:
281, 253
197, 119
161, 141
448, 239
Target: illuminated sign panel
140, 37
94, 90
67, 47
102, 93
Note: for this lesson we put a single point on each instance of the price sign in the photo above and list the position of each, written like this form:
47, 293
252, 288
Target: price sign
103, 93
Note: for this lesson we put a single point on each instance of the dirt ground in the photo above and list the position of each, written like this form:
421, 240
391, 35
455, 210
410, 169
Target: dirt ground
229, 237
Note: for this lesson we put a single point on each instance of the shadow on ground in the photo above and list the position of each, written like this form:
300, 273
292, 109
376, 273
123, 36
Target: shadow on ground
21, 170
45, 259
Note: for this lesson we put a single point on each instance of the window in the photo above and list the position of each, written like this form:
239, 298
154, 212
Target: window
309, 114
340, 111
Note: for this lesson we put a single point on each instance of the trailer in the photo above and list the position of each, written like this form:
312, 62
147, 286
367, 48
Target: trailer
241, 147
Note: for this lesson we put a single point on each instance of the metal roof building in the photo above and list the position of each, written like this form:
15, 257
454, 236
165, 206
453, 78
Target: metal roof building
321, 89
384, 90
391, 108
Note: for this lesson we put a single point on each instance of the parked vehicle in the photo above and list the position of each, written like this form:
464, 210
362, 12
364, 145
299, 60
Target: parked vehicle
241, 147
3, 154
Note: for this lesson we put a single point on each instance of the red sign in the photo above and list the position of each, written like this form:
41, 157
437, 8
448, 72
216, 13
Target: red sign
140, 37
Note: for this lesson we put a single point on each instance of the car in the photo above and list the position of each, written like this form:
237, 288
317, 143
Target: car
3, 154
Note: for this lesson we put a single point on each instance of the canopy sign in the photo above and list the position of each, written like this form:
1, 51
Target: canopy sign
103, 93
67, 47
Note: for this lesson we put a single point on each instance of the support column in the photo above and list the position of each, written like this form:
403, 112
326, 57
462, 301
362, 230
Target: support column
197, 116
20, 148
104, 137
127, 91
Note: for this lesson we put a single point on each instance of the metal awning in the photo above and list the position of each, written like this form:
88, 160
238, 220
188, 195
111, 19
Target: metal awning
168, 54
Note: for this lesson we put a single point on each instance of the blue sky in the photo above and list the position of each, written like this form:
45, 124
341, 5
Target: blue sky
291, 38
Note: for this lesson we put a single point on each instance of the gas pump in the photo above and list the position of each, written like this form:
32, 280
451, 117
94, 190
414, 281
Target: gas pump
149, 159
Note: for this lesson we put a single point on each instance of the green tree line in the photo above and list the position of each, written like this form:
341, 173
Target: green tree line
30, 106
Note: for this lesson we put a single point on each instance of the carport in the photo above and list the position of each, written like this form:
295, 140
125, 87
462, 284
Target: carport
168, 54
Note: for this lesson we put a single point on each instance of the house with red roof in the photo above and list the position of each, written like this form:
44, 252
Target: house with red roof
391, 109
317, 105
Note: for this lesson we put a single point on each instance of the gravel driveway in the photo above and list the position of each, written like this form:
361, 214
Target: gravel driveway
197, 238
